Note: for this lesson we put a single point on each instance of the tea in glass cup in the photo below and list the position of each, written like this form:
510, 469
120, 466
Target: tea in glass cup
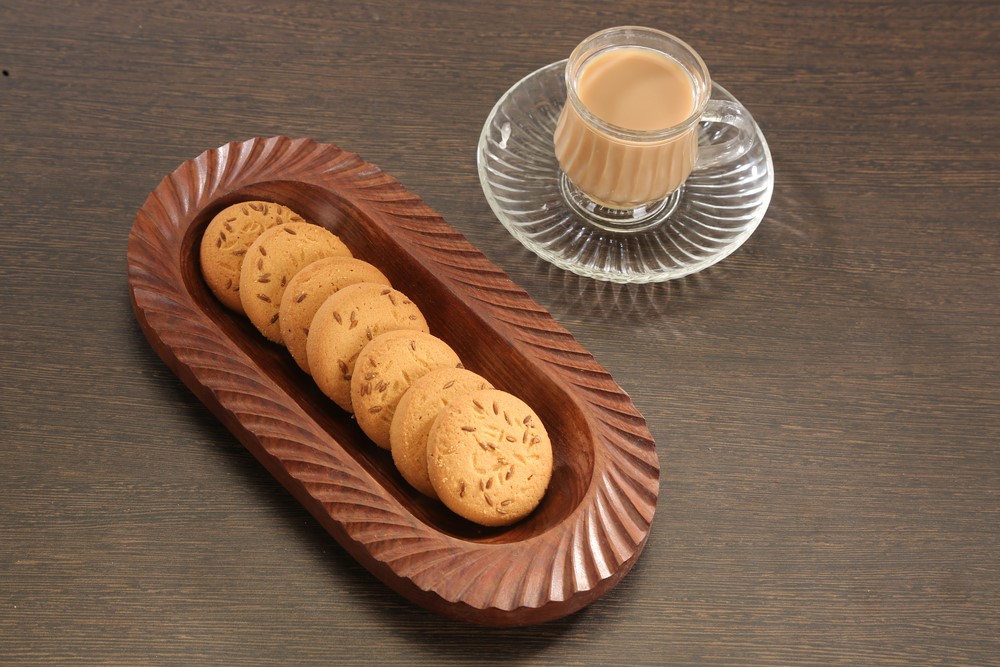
627, 136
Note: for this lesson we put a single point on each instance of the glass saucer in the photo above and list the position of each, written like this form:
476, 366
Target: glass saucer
711, 216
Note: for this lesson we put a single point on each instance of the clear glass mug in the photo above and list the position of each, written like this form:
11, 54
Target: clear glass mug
618, 173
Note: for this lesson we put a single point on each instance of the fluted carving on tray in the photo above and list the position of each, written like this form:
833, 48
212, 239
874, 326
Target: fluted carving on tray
541, 570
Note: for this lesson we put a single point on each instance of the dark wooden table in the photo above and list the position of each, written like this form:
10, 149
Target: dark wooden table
826, 402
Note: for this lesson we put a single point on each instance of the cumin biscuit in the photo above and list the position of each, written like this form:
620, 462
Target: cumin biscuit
489, 457
414, 415
309, 288
386, 368
225, 242
347, 321
272, 260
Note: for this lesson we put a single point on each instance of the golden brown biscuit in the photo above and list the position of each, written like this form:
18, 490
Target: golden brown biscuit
386, 368
347, 321
489, 457
272, 260
414, 415
225, 242
309, 288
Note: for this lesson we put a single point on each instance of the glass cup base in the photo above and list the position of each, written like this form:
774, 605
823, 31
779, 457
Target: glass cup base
622, 220
710, 217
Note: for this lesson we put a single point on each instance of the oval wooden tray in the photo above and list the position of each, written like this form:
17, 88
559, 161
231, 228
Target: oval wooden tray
596, 516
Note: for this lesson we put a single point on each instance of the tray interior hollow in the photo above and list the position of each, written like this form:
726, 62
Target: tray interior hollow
482, 348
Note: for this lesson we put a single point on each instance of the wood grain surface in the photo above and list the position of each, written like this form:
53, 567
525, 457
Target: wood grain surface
825, 402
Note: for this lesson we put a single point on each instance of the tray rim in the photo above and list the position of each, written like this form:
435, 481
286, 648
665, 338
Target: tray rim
584, 556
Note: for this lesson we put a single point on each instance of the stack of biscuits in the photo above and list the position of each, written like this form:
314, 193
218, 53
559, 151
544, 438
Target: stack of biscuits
481, 451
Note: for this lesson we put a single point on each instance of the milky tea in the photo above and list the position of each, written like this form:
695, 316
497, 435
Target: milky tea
627, 134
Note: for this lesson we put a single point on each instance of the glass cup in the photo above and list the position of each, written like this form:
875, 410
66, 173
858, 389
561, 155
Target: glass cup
620, 177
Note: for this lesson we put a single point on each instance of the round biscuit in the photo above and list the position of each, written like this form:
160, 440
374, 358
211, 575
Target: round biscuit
489, 457
347, 321
386, 368
414, 415
272, 260
309, 288
225, 241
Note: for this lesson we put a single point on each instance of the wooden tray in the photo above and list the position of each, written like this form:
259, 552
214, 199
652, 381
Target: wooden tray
596, 516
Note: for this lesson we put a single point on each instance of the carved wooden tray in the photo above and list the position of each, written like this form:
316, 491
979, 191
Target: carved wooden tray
596, 516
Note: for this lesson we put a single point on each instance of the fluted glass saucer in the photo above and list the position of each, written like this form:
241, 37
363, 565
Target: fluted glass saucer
711, 216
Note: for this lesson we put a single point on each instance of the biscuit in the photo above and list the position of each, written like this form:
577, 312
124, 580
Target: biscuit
226, 240
272, 260
385, 369
489, 457
309, 288
346, 322
414, 415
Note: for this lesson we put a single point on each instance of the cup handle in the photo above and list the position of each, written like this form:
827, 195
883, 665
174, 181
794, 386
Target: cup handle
728, 113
